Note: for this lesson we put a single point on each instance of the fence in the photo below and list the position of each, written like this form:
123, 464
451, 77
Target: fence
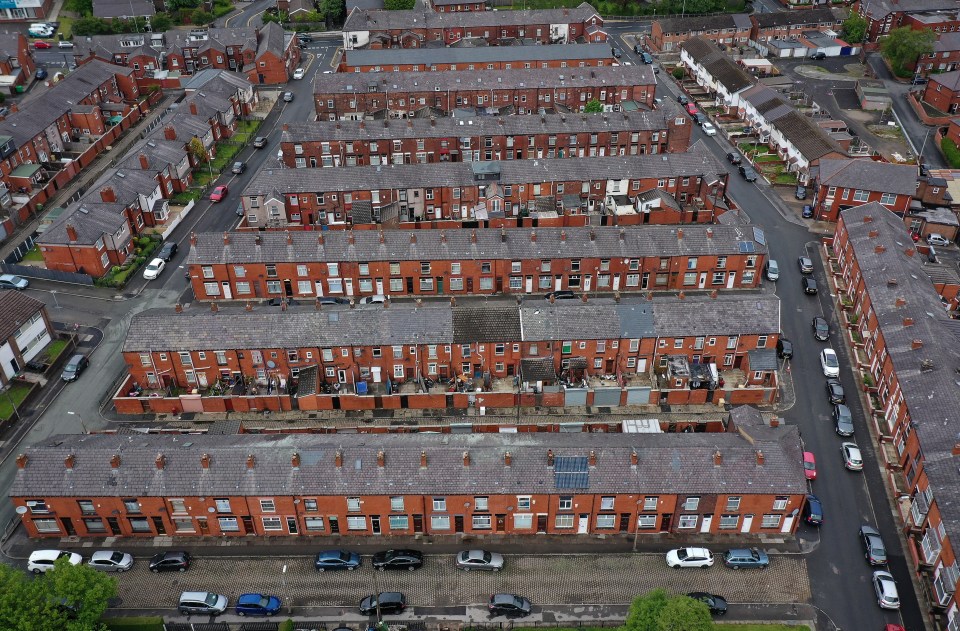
30, 271
20, 251
240, 626
510, 625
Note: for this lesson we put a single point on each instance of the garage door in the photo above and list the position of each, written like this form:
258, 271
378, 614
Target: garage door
607, 397
575, 396
638, 396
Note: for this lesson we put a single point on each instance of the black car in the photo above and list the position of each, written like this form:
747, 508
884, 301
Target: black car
835, 392
41, 74
682, 99
717, 604
748, 173
279, 302
842, 420
167, 251
784, 348
924, 169
637, 48
874, 550
734, 158
172, 561
807, 211
821, 330
304, 38
801, 192
74, 367
398, 560
918, 80
390, 602
700, 118
334, 300
616, 53
563, 294
509, 605
820, 55
813, 511
238, 167
809, 285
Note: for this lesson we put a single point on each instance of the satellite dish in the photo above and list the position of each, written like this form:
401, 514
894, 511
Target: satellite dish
271, 364
21, 510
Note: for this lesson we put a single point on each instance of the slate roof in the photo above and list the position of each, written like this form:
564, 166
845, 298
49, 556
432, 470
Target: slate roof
811, 17
91, 221
16, 307
272, 40
366, 5
361, 20
721, 67
869, 175
10, 45
763, 359
949, 80
159, 152
487, 54
123, 8
698, 24
696, 161
767, 101
927, 376
300, 326
668, 463
447, 126
879, 9
352, 82
538, 369
808, 137
458, 245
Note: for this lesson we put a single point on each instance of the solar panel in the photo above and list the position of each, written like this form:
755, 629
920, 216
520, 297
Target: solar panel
746, 247
759, 237
571, 472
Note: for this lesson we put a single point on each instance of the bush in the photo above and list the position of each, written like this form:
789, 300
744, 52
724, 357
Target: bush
951, 152
201, 18
678, 74
161, 23
286, 625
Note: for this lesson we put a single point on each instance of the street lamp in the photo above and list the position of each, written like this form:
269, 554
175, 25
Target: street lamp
82, 425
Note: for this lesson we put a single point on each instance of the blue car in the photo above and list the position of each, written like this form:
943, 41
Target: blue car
257, 605
336, 560
746, 557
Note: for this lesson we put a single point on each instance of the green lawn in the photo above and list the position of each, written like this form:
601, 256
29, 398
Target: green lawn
33, 255
16, 392
135, 624
66, 25
54, 349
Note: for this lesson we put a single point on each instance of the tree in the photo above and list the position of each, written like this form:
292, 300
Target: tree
201, 17
197, 150
160, 23
678, 73
399, 5
682, 613
332, 9
854, 29
904, 45
645, 611
593, 106
67, 598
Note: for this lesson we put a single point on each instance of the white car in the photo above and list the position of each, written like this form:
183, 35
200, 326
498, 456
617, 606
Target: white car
378, 299
829, 363
154, 268
690, 557
299, 73
41, 561
886, 589
479, 560
852, 458
937, 239
110, 561
709, 129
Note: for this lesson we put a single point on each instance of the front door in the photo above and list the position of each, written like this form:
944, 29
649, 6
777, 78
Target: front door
418, 523
788, 522
248, 525
375, 524
203, 526
730, 278
747, 523
501, 523
439, 284
616, 282
292, 525
349, 284
334, 524
379, 286
114, 524
705, 524
667, 522
586, 282
583, 524
68, 526
557, 282
528, 286
541, 523
287, 287
703, 280
458, 523
375, 372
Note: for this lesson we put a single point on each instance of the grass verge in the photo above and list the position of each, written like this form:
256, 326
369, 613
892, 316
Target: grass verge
17, 393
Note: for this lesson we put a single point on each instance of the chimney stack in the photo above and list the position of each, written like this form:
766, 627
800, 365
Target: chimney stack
910, 251
69, 461
205, 461
161, 461
169, 133
320, 239
900, 302
679, 233
593, 235
634, 458
549, 457
193, 238
868, 219
908, 322
350, 238
880, 249
71, 233
443, 236
338, 459
178, 308
108, 195
956, 449
473, 236
709, 233
713, 294
916, 344
423, 459
759, 457
144, 161
251, 461
289, 237
413, 237
507, 459
381, 459
563, 236
248, 306
193, 107
466, 458
383, 237
295, 460
213, 307
115, 461
592, 459
503, 235
226, 238
873, 234
717, 458
433, 121
533, 236
22, 461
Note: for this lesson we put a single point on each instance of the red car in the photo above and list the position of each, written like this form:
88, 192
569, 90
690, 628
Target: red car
691, 108
42, 44
893, 627
809, 465
218, 193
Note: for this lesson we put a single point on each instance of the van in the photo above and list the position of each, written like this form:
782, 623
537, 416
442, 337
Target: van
772, 270
40, 32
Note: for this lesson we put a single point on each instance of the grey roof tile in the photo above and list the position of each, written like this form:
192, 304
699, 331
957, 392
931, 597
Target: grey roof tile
16, 308
900, 179
809, 17
362, 20
426, 57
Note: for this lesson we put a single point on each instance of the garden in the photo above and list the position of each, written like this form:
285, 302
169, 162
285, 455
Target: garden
81, 21
768, 162
118, 275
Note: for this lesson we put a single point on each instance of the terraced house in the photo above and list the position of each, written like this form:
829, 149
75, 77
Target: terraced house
520, 484
677, 349
449, 139
353, 264
482, 58
687, 187
842, 184
907, 354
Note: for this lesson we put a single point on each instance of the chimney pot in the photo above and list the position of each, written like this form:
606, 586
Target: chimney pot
423, 459
22, 460
549, 457
956, 449
338, 459
916, 344
507, 459
759, 457
69, 461
381, 459
908, 322
178, 308
213, 307
251, 461
295, 460
466, 458
679, 233
115, 461
161, 461
717, 458
879, 249
592, 458
205, 461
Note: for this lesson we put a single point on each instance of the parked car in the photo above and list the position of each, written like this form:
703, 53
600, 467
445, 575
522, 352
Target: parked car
737, 558
337, 560
682, 99
748, 173
784, 348
801, 192
219, 193
638, 49
202, 603
304, 38
772, 269
820, 55
709, 129
398, 560
259, 142
835, 392
806, 264
41, 74
238, 167
813, 511
40, 44
153, 268
510, 605
809, 285
829, 363
257, 605
734, 157
377, 299
691, 108
821, 330
334, 300
886, 589
842, 420
563, 294
479, 560
287, 97
918, 80
9, 281
41, 561
65, 44
110, 561
937, 239
279, 302
647, 58
616, 52
809, 465
716, 604
299, 73
689, 557
852, 458
167, 251
170, 561
75, 365
700, 118
807, 212
390, 602
874, 549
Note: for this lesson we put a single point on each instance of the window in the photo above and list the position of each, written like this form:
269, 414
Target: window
650, 503
94, 525
313, 524
691, 503
353, 504
440, 522
523, 502
399, 522
46, 525
396, 503
861, 196
733, 503
606, 521
566, 502
223, 505
646, 521
888, 199
688, 521
729, 522
178, 506
356, 522
440, 503
272, 524
86, 507
523, 521
267, 506
481, 503
482, 522
771, 521
310, 505
564, 521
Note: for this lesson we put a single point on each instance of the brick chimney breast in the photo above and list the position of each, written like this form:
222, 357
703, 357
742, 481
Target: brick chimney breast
72, 233
161, 461
717, 458
592, 458
144, 161
466, 458
759, 457
69, 461
916, 344
507, 459
115, 461
338, 459
205, 461
295, 460
423, 459
634, 458
381, 459
169, 133
107, 194
178, 308
549, 457
251, 461
22, 460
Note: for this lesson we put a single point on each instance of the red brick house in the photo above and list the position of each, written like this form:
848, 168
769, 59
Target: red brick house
353, 264
905, 329
451, 6
404, 94
791, 24
476, 58
943, 91
25, 331
841, 184
750, 483
666, 34
885, 15
278, 55
944, 58
507, 190
16, 61
414, 29
449, 139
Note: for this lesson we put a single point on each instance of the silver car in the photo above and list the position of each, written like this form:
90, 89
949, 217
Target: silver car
111, 561
479, 560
